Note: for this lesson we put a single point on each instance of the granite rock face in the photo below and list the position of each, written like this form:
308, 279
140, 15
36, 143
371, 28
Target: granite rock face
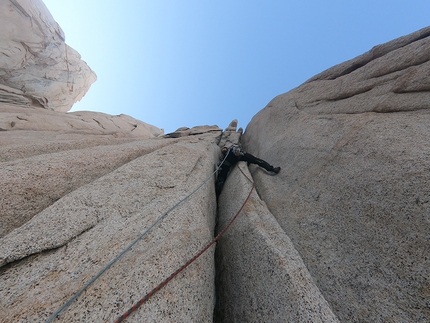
231, 134
107, 196
38, 69
197, 130
78, 188
260, 275
80, 123
31, 184
353, 194
341, 234
392, 77
71, 201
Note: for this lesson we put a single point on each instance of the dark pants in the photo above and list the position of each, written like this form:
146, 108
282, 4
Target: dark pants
225, 168
257, 161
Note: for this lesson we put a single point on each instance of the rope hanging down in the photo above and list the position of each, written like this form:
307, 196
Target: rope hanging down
164, 282
79, 292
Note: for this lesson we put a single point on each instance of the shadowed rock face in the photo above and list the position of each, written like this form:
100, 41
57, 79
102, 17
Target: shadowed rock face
38, 68
260, 275
353, 194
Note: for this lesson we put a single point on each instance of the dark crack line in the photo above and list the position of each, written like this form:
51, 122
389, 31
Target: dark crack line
100, 124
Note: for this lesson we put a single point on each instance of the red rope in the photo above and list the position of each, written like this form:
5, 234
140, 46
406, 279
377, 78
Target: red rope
189, 262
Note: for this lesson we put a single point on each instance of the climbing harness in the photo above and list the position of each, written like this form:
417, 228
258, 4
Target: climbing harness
237, 150
168, 279
79, 292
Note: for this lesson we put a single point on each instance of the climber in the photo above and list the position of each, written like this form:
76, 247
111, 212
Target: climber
234, 154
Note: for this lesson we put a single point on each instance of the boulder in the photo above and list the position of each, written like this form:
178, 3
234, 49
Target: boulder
38, 68
353, 193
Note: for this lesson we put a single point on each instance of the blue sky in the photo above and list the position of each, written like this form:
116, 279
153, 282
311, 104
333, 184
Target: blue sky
176, 63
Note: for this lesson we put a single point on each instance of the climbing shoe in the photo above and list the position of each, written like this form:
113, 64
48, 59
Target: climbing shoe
276, 170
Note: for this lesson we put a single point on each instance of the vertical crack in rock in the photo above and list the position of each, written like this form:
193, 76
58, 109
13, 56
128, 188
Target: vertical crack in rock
340, 233
96, 221
260, 275
351, 172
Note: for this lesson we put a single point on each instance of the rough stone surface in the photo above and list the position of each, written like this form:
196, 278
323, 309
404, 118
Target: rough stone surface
29, 185
37, 67
341, 234
197, 130
260, 275
353, 194
232, 126
78, 188
230, 135
391, 77
56, 252
13, 118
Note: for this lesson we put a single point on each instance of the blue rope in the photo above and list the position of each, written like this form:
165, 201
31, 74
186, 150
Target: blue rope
79, 292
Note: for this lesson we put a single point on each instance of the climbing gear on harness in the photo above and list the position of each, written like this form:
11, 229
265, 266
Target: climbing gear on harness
237, 150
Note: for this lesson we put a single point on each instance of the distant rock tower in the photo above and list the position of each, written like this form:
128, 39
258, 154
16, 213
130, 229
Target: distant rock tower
38, 68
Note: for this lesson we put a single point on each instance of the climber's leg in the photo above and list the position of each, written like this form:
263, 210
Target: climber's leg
258, 161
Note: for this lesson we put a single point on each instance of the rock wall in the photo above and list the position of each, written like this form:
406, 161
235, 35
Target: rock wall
41, 78
79, 123
340, 235
29, 185
353, 194
260, 275
38, 69
100, 200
